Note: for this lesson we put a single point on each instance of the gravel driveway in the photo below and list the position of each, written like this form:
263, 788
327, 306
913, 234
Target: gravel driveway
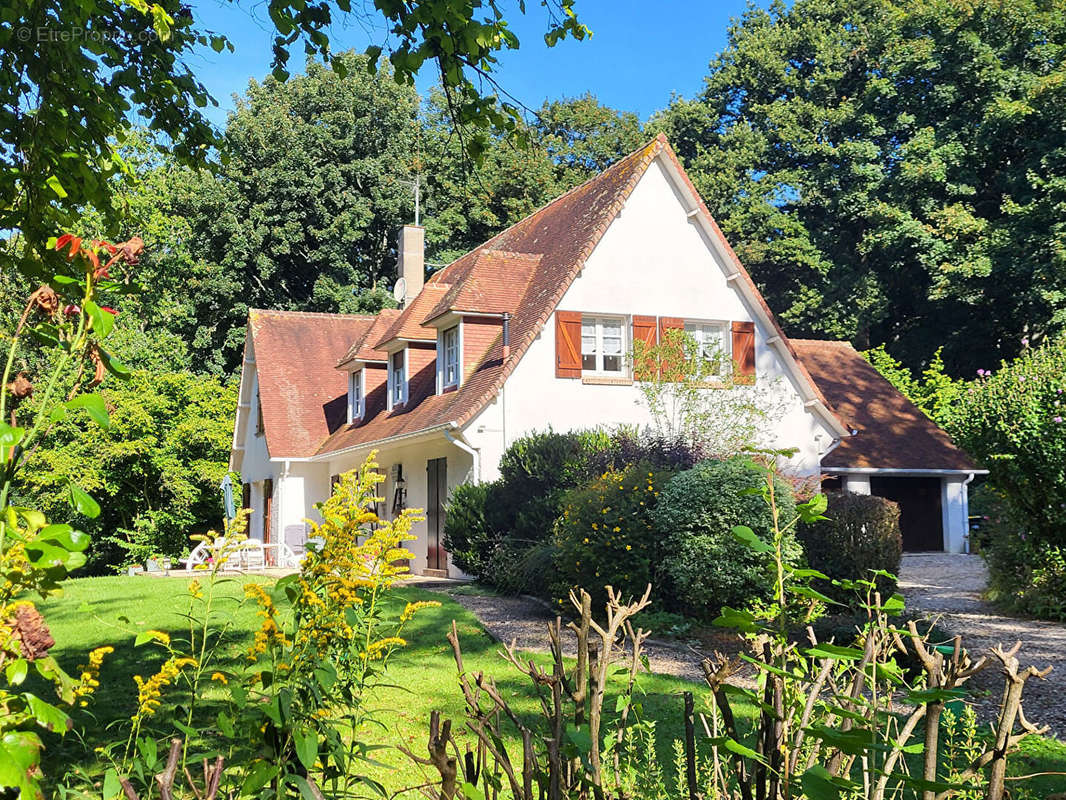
951, 586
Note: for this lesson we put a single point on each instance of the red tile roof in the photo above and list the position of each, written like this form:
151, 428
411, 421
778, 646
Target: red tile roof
408, 324
362, 348
492, 283
304, 397
893, 433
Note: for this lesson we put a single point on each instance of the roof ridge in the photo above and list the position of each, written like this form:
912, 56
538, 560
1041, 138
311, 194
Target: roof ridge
281, 312
652, 144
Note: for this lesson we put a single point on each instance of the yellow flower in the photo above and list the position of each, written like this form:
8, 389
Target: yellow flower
218, 676
616, 529
160, 636
150, 691
413, 608
89, 681
629, 547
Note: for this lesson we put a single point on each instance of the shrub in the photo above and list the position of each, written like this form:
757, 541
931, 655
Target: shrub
1024, 574
861, 534
605, 535
467, 535
704, 566
1012, 421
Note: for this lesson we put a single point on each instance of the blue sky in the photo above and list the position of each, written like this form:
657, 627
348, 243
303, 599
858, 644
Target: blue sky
640, 52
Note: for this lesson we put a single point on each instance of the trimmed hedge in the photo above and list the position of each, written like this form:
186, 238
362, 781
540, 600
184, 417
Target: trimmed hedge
860, 535
704, 567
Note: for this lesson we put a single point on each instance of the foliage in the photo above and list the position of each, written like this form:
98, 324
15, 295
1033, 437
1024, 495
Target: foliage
891, 172
827, 726
1024, 575
81, 74
1012, 422
294, 714
155, 470
704, 567
583, 137
467, 537
699, 397
934, 391
65, 315
859, 538
605, 535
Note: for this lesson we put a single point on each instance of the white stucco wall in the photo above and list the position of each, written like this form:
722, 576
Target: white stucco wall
955, 509
655, 261
413, 457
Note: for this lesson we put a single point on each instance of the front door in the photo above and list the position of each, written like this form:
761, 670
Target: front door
920, 520
268, 509
436, 496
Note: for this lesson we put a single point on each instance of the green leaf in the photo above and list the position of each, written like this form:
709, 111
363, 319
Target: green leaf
471, 792
53, 183
94, 404
737, 619
306, 747
47, 715
9, 436
17, 671
835, 651
260, 774
111, 785
103, 321
813, 509
819, 784
113, 365
747, 536
81, 502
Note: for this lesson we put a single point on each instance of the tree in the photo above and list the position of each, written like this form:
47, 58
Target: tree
77, 75
584, 137
892, 173
155, 470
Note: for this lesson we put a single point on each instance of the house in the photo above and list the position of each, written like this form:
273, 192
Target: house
530, 331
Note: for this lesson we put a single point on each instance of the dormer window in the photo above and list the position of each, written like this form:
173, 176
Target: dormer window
355, 396
450, 357
397, 378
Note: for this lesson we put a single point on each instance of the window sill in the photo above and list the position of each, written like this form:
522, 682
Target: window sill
454, 387
605, 380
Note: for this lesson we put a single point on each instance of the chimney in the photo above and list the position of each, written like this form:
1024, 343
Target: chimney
411, 260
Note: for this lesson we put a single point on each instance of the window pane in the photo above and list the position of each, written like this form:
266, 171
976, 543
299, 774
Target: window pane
612, 346
588, 362
612, 363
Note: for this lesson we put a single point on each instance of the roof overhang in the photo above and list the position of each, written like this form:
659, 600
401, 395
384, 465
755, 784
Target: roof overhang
362, 447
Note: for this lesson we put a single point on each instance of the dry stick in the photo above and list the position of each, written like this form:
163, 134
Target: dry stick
716, 675
856, 690
690, 746
808, 709
165, 779
718, 776
901, 741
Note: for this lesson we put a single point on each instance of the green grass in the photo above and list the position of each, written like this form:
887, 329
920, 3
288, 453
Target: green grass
423, 673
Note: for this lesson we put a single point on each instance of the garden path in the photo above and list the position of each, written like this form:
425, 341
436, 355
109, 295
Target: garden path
951, 586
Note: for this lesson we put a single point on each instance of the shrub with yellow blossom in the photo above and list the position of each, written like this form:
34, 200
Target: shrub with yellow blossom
605, 535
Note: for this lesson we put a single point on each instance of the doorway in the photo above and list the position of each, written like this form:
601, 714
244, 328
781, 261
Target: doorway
920, 520
436, 496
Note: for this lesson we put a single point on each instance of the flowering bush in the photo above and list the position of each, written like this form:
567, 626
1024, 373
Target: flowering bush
605, 535
1012, 422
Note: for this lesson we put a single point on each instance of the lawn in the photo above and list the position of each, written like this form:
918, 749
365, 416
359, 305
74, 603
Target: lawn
423, 673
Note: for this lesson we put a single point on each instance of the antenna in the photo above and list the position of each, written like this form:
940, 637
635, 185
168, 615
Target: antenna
416, 187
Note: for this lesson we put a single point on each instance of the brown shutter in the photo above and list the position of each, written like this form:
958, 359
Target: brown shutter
567, 344
744, 352
246, 495
268, 508
644, 330
668, 324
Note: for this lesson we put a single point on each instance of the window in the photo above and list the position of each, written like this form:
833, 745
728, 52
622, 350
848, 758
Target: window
712, 343
450, 346
397, 387
603, 345
355, 395
259, 425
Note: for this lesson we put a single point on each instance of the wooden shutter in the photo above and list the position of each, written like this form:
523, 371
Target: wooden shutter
246, 495
567, 344
744, 352
268, 508
644, 330
668, 324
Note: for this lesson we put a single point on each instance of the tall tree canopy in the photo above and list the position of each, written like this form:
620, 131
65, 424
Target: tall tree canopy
893, 173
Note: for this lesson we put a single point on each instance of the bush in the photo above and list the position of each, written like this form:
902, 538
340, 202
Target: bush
467, 536
861, 534
1012, 421
605, 535
1024, 574
704, 567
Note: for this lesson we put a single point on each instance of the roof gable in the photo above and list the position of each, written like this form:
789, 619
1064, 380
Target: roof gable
362, 348
302, 394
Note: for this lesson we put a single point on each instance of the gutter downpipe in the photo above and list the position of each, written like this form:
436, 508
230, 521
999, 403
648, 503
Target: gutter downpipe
966, 507
474, 452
